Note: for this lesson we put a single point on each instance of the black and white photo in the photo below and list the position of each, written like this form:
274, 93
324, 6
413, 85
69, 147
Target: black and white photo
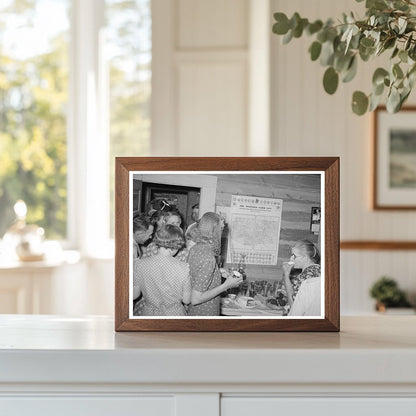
227, 244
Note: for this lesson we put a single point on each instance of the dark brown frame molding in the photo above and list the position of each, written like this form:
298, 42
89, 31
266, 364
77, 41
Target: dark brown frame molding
378, 245
329, 165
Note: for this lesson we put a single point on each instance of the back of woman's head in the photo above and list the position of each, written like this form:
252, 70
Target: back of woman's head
310, 250
169, 236
192, 233
209, 227
156, 216
157, 204
141, 223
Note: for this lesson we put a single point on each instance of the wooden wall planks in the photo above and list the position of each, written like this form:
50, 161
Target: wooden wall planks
299, 194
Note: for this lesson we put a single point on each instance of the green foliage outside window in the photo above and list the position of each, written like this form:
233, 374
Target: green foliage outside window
34, 104
33, 98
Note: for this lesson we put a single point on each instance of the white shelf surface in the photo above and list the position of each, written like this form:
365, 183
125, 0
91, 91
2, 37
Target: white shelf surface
371, 350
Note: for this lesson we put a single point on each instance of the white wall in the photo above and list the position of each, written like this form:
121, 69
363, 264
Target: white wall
202, 102
308, 122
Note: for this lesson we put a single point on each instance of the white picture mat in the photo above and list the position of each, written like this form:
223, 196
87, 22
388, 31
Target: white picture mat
136, 175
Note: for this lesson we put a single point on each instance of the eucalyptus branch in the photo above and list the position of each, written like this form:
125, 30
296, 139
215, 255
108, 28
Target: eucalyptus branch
388, 26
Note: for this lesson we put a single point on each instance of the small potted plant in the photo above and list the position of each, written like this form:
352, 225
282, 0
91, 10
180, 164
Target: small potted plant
387, 294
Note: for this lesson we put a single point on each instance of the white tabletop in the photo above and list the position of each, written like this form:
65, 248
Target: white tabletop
45, 349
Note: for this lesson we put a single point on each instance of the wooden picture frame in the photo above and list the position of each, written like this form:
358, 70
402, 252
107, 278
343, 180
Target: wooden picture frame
250, 177
394, 159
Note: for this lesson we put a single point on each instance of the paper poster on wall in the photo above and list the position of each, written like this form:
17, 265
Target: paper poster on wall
254, 229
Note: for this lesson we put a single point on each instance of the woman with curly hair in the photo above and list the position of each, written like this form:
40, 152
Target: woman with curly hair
162, 279
205, 274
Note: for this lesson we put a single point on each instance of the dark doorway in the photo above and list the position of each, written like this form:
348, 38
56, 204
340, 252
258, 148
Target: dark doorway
182, 198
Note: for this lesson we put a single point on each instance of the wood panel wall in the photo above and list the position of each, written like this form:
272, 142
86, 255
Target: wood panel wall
299, 194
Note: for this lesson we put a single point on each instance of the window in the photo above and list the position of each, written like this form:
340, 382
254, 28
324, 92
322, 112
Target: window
75, 87
129, 46
33, 98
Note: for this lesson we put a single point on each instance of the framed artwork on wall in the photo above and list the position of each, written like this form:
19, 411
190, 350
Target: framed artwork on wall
394, 179
226, 244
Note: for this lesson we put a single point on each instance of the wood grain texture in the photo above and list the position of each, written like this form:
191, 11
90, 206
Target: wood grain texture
298, 192
378, 245
330, 165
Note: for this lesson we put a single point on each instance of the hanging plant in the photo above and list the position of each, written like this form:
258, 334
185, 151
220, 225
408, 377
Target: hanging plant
388, 27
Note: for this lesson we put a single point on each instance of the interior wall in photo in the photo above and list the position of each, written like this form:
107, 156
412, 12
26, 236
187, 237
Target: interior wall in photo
299, 193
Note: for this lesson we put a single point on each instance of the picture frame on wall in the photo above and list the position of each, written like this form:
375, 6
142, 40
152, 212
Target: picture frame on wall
226, 244
394, 151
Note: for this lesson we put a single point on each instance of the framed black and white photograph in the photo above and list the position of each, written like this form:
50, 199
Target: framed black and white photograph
227, 244
394, 183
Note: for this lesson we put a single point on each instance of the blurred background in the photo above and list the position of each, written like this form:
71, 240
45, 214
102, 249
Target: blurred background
83, 81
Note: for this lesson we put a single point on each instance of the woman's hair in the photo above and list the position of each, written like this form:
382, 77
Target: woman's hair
158, 204
192, 233
169, 236
310, 250
156, 216
141, 223
172, 213
209, 228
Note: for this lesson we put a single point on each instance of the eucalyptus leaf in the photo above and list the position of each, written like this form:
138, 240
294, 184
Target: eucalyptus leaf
342, 62
408, 42
374, 102
315, 50
359, 103
376, 4
367, 42
403, 56
314, 27
350, 73
327, 53
402, 22
389, 43
378, 89
393, 101
397, 71
395, 52
294, 20
411, 78
288, 37
400, 5
330, 80
366, 53
412, 52
379, 75
281, 26
322, 35
404, 95
298, 30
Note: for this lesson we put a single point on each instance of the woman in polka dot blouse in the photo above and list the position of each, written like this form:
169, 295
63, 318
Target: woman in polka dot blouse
205, 275
162, 279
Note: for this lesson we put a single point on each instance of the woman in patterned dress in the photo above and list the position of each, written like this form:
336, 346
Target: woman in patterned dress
162, 279
205, 274
305, 256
